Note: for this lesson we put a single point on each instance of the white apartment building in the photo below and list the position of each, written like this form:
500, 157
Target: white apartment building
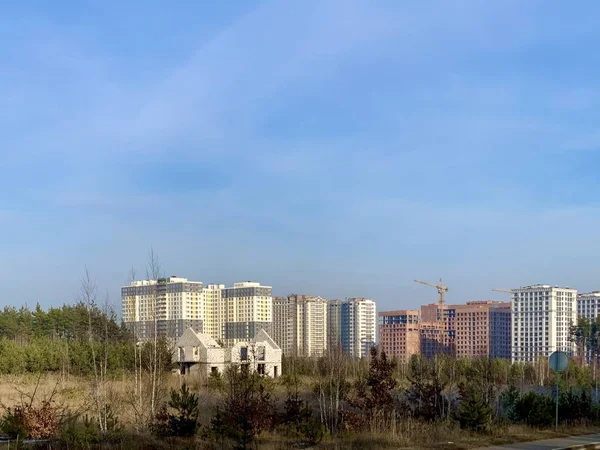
169, 306
215, 310
541, 318
166, 306
248, 309
312, 326
300, 325
588, 305
358, 326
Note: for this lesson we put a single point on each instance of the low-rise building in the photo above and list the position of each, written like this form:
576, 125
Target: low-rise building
200, 353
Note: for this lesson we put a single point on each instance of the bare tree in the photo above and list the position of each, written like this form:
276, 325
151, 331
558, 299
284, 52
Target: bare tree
99, 351
331, 387
137, 401
153, 270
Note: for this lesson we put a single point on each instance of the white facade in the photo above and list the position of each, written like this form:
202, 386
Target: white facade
169, 305
248, 308
247, 302
215, 310
300, 325
168, 298
358, 326
261, 354
588, 305
541, 318
199, 353
312, 327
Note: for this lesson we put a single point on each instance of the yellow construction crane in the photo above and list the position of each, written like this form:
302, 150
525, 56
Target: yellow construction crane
502, 290
441, 291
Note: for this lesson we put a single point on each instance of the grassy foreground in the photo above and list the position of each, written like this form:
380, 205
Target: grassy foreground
72, 394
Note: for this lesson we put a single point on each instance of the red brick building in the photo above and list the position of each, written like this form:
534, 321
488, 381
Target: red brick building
399, 333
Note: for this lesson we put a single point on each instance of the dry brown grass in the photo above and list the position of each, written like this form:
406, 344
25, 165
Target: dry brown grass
73, 394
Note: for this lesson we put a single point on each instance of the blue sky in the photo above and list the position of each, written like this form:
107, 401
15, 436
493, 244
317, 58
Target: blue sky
340, 148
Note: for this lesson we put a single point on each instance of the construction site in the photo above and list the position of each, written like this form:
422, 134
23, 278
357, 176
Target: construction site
476, 328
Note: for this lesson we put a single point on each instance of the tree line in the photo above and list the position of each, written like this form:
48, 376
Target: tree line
58, 340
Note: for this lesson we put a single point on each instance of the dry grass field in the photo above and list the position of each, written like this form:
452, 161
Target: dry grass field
73, 395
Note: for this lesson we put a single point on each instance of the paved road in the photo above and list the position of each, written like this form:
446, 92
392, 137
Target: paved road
555, 444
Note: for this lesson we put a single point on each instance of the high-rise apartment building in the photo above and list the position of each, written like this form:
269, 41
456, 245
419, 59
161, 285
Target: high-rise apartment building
300, 325
334, 324
215, 310
399, 334
482, 329
175, 304
358, 326
284, 319
443, 340
249, 308
541, 318
432, 337
588, 305
478, 328
166, 306
312, 326
500, 330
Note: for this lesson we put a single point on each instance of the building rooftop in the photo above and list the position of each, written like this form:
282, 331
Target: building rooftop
589, 294
400, 312
543, 286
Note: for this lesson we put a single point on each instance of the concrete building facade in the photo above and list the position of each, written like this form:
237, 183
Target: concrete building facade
334, 324
432, 338
483, 329
200, 353
169, 306
215, 310
300, 325
399, 333
442, 340
166, 306
541, 318
588, 305
249, 308
358, 326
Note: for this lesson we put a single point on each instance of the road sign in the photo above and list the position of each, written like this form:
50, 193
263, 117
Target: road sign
558, 361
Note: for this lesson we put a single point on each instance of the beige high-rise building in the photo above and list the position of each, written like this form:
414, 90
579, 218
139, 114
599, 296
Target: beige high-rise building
169, 306
215, 310
312, 329
300, 325
248, 309
166, 306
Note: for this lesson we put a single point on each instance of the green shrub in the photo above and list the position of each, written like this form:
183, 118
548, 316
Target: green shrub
535, 410
474, 413
185, 419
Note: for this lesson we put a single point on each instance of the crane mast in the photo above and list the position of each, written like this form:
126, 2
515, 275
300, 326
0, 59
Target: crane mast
442, 289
